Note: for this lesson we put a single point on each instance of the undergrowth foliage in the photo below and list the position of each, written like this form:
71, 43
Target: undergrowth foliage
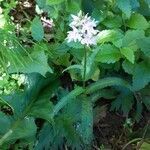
35, 56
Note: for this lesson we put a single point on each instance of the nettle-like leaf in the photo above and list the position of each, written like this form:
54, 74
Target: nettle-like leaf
65, 124
108, 54
37, 30
137, 21
87, 121
36, 63
113, 22
113, 36
128, 67
128, 53
65, 100
144, 45
124, 6
106, 82
123, 102
103, 93
73, 6
141, 75
131, 37
135, 4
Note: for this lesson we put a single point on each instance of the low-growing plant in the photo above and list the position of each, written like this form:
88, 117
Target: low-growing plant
58, 62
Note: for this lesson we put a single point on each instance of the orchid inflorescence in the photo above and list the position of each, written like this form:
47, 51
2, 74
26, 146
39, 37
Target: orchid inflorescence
83, 30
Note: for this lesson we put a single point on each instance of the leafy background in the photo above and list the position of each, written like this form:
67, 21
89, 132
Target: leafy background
50, 109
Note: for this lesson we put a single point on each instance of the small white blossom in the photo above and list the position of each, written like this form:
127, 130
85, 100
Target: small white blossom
38, 10
87, 40
47, 22
74, 35
27, 4
83, 30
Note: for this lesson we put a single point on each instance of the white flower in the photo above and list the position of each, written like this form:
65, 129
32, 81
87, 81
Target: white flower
83, 30
77, 20
87, 40
74, 35
47, 22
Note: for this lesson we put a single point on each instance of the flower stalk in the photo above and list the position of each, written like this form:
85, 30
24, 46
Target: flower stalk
84, 67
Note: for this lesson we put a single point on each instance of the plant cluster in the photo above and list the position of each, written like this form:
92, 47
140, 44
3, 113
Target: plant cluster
59, 58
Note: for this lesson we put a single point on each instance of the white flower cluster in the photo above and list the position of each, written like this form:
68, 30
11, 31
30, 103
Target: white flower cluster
83, 30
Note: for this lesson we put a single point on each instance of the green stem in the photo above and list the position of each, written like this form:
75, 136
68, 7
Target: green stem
5, 136
85, 63
130, 142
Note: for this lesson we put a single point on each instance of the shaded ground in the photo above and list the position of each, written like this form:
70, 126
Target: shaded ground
111, 132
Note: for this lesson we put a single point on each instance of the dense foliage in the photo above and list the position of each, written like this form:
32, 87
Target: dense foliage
50, 88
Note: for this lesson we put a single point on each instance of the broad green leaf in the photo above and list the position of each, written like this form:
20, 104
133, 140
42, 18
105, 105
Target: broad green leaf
144, 8
106, 82
113, 22
74, 93
54, 2
144, 45
42, 107
67, 130
73, 6
63, 60
37, 63
137, 21
108, 54
148, 2
123, 102
135, 4
22, 125
41, 3
109, 36
128, 53
87, 7
96, 74
124, 6
37, 30
87, 121
78, 67
103, 93
145, 146
21, 129
44, 137
5, 123
25, 129
76, 45
99, 15
16, 101
141, 76
90, 64
128, 67
130, 38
